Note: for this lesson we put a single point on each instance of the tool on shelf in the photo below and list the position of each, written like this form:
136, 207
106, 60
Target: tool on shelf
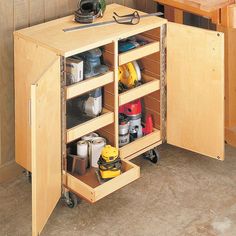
130, 115
89, 10
130, 43
129, 76
92, 63
133, 111
99, 24
74, 70
84, 66
109, 163
124, 136
89, 104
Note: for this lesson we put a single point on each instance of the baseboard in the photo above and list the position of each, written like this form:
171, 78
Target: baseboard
10, 171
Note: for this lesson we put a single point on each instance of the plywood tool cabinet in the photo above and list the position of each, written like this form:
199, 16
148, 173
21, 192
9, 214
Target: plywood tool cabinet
183, 91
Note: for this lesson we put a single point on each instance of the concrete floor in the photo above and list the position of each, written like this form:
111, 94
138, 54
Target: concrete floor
186, 194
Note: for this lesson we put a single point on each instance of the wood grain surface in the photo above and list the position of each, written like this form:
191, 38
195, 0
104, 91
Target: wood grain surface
18, 14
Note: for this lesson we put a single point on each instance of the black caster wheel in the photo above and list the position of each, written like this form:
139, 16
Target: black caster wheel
71, 200
152, 155
28, 176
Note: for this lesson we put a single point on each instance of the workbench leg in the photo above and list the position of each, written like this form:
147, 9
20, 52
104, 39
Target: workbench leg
179, 16
173, 14
169, 13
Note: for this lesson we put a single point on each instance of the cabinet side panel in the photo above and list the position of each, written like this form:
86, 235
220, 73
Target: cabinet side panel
30, 61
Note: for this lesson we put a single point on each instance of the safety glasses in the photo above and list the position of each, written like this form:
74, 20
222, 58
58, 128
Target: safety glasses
131, 19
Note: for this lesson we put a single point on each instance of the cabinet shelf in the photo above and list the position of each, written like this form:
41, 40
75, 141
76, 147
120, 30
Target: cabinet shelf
99, 122
139, 52
88, 187
89, 85
151, 85
140, 144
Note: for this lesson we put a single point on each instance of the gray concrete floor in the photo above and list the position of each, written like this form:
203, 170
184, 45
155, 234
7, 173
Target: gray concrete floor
186, 194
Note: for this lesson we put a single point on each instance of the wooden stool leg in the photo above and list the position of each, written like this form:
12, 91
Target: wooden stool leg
169, 13
179, 16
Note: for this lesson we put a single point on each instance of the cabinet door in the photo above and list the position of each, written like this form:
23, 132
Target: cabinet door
195, 89
45, 145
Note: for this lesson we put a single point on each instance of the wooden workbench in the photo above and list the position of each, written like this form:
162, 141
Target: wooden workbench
223, 15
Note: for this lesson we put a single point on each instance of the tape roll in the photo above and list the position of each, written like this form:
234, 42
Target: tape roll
95, 150
90, 137
82, 150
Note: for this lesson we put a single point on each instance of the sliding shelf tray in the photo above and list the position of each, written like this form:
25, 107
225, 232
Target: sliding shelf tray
139, 52
90, 189
89, 84
139, 92
140, 144
99, 122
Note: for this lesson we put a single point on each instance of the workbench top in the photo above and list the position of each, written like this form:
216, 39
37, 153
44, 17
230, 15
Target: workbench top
52, 36
202, 5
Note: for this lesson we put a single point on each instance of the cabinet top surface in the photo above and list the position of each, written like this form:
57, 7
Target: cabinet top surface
52, 36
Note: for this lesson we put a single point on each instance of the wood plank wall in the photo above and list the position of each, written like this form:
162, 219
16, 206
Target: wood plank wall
17, 14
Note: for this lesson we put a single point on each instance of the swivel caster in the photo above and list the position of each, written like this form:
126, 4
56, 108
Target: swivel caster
71, 200
28, 175
152, 155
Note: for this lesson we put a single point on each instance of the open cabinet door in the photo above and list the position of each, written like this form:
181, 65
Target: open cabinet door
45, 146
195, 89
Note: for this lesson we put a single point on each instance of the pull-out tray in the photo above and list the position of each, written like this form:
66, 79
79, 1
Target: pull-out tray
89, 188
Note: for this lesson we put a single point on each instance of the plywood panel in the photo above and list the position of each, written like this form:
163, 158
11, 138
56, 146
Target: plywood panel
230, 84
27, 70
52, 36
231, 68
45, 145
195, 90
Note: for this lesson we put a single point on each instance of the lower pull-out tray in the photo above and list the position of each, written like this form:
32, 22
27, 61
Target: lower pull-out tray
89, 188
